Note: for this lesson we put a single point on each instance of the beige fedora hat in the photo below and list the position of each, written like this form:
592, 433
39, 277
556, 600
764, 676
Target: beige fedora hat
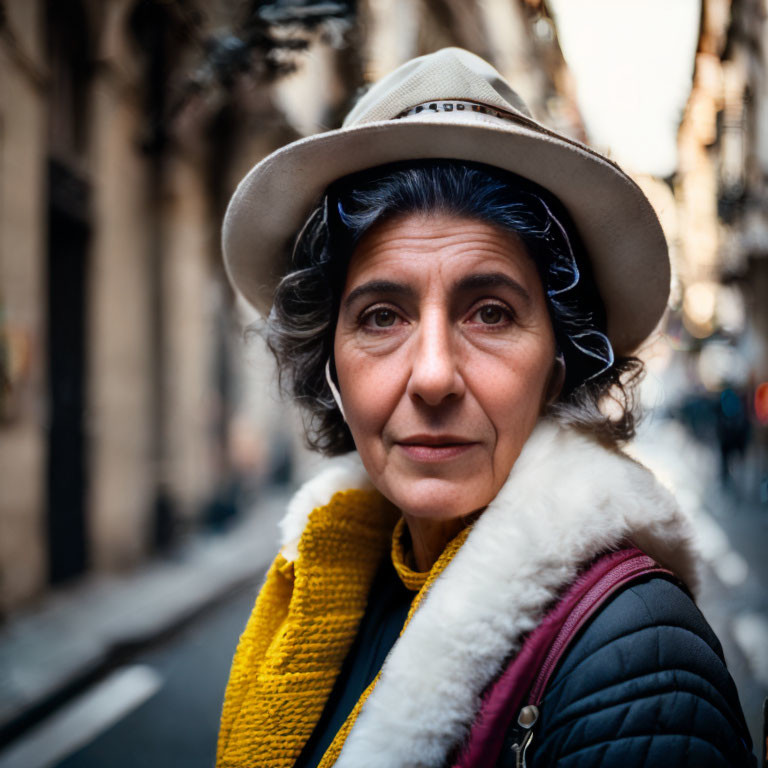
453, 105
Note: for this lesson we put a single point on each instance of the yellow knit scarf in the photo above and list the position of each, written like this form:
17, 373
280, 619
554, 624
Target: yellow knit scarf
302, 626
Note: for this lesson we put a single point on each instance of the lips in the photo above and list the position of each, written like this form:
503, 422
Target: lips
434, 448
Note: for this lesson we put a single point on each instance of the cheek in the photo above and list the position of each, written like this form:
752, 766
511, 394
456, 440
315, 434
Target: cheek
513, 393
370, 389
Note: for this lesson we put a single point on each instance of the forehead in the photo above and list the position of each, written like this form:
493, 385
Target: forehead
421, 246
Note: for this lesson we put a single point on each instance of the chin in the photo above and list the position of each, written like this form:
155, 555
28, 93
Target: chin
438, 499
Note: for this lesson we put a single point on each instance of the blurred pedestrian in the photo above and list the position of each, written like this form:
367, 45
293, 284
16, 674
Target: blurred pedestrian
464, 293
733, 431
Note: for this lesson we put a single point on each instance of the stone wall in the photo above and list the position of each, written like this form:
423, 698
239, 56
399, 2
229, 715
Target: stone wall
22, 322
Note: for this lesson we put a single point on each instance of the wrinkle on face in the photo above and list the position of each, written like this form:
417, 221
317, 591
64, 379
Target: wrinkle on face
419, 354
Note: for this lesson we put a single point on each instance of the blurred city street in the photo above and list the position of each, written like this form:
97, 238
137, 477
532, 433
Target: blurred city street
732, 530
160, 708
148, 676
146, 454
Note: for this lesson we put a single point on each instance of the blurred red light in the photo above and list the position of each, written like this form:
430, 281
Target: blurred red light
761, 403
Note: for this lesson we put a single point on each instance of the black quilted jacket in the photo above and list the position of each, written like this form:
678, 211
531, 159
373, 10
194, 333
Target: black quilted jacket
645, 686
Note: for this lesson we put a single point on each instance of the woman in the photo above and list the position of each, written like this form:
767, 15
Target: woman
462, 298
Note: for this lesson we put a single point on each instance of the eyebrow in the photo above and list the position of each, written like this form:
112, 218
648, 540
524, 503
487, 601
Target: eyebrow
468, 283
492, 280
388, 287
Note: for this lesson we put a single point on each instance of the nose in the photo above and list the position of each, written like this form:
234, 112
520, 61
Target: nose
435, 376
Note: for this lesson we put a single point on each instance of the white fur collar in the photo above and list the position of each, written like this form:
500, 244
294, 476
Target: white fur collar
566, 500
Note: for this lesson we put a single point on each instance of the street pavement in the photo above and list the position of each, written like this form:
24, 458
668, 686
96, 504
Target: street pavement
732, 535
160, 706
78, 635
178, 725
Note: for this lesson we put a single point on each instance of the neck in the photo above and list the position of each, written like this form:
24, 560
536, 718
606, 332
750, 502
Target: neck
429, 537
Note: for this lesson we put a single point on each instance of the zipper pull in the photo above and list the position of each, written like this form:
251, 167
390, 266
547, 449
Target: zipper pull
526, 720
521, 735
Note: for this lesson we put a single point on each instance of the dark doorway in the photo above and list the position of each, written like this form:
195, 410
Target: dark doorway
68, 238
68, 231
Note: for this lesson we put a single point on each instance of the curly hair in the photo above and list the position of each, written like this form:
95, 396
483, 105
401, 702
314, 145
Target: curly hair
301, 326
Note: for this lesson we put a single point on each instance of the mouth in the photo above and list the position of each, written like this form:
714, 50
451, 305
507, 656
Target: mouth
433, 448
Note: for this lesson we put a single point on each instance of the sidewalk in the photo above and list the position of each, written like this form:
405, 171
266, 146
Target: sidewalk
77, 632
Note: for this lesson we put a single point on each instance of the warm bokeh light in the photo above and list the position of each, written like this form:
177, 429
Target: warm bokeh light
699, 308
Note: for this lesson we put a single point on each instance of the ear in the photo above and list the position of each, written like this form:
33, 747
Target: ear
556, 381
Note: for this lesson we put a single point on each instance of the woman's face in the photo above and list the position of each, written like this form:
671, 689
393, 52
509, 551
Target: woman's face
444, 354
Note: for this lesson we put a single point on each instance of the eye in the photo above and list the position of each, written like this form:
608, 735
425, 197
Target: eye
380, 318
492, 314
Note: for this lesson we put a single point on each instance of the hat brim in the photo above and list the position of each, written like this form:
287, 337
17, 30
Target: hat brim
618, 226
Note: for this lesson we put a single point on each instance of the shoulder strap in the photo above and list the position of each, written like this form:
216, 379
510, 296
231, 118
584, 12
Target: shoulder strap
608, 574
525, 678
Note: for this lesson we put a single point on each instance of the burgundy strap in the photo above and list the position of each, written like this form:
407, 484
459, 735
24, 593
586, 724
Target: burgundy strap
532, 667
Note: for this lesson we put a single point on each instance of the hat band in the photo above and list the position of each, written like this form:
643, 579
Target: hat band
445, 106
